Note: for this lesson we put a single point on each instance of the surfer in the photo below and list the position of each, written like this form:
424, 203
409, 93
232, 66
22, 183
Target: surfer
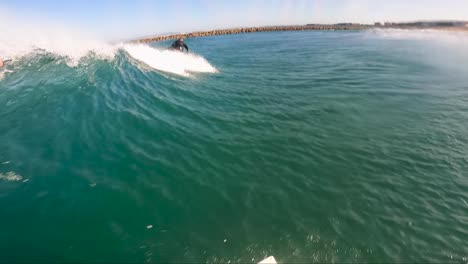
1, 62
179, 45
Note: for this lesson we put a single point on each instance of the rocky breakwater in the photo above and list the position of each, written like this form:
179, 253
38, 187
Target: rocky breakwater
251, 30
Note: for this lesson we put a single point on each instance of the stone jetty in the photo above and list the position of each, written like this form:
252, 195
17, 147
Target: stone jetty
254, 29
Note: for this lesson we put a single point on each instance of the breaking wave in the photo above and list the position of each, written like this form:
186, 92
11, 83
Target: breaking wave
20, 39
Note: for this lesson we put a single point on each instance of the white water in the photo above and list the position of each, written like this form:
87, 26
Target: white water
169, 61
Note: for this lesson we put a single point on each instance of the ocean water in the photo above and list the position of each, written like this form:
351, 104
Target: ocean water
309, 146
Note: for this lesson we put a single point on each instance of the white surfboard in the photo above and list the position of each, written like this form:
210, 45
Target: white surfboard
269, 260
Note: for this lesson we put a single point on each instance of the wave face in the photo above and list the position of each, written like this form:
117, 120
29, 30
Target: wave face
309, 146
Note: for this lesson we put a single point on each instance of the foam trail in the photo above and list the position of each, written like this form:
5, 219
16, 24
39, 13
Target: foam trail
169, 61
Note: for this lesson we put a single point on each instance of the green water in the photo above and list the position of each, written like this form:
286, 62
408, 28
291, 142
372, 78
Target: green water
309, 146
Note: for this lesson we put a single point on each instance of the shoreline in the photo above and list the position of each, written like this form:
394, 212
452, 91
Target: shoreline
312, 27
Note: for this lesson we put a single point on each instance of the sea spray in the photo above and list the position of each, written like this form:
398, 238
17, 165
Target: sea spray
20, 38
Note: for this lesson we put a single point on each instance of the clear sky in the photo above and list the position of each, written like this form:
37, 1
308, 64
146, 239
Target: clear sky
133, 18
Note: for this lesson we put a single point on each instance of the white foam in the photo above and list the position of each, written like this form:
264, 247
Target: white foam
169, 61
10, 176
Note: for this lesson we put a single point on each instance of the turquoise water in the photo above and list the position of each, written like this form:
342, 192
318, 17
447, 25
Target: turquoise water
309, 146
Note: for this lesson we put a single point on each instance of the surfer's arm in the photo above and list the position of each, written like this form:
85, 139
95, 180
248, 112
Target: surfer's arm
186, 47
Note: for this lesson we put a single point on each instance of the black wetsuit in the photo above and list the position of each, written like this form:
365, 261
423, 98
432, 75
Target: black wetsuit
179, 45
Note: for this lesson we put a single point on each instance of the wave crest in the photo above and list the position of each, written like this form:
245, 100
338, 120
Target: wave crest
20, 38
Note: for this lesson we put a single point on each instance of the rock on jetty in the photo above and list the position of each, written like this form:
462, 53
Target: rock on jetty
252, 30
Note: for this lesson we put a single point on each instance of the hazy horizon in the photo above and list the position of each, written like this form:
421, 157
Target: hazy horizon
130, 19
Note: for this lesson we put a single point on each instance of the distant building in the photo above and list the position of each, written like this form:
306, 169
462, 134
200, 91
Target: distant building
377, 24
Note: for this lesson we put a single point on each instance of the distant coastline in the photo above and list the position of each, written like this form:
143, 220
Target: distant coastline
431, 25
253, 30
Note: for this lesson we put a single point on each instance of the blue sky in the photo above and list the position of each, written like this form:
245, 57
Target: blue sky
132, 18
